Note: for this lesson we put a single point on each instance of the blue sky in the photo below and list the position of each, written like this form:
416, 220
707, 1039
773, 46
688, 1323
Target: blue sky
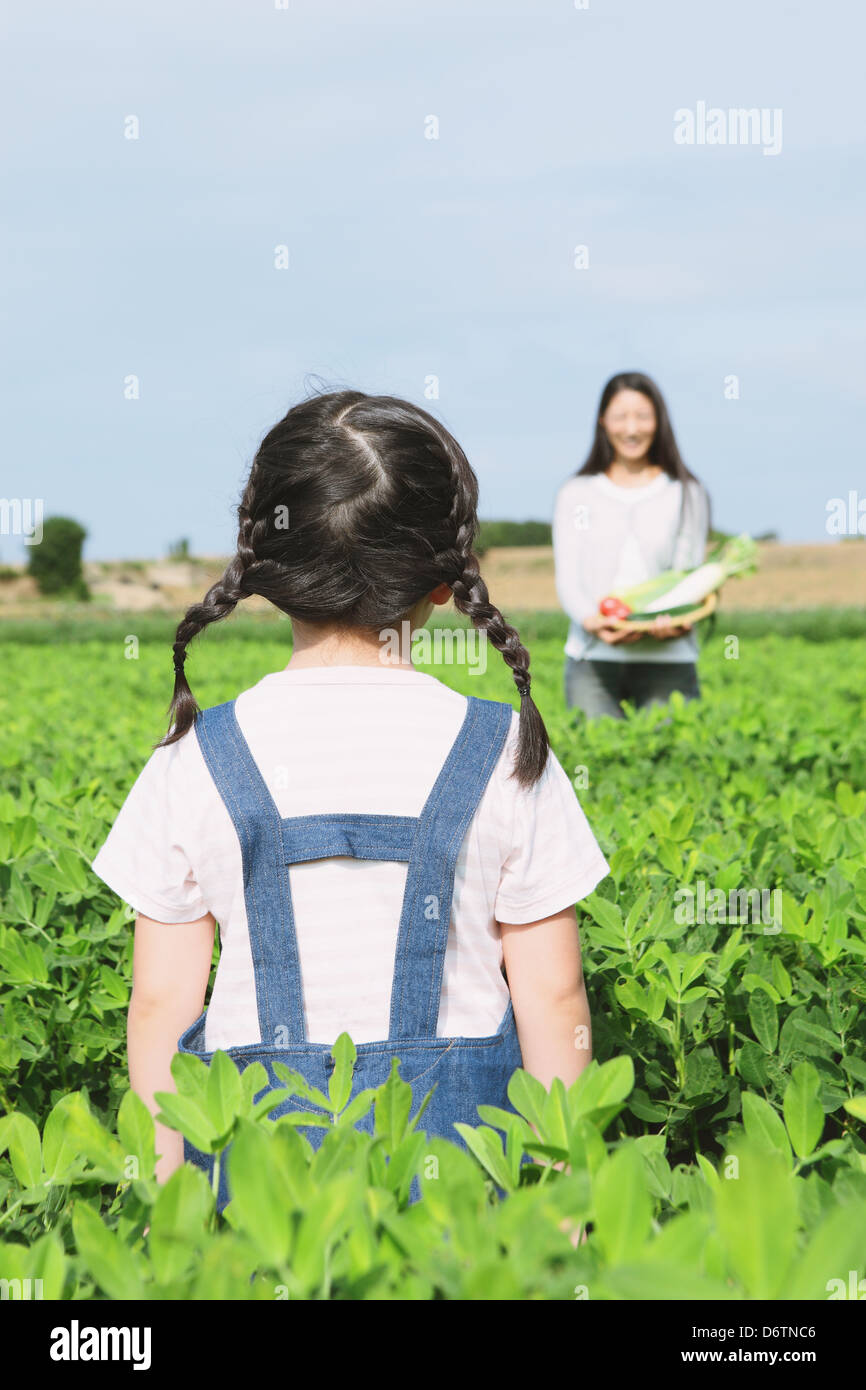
411, 257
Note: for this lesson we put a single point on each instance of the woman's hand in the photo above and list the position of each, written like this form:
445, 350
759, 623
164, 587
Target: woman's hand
600, 626
664, 628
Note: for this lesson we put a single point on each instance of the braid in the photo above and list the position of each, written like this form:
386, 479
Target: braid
220, 600
461, 571
471, 598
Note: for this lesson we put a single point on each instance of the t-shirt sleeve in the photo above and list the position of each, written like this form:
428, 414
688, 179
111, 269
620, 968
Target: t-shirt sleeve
143, 859
554, 860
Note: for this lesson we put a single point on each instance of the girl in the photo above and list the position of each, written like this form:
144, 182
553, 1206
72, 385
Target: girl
632, 511
379, 851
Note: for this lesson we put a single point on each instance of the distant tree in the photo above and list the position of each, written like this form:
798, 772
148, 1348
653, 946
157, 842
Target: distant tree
767, 536
494, 533
55, 563
179, 550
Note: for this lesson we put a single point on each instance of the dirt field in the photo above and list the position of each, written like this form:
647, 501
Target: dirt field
791, 577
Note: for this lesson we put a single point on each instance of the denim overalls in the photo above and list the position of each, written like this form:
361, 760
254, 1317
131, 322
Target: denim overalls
467, 1072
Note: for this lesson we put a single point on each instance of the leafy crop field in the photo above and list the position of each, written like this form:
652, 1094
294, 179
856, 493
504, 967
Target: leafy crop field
716, 1146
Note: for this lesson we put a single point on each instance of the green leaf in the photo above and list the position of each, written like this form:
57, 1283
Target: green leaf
829, 1045
694, 967
224, 1093
47, 1261
651, 1280
486, 1145
19, 1134
332, 1212
190, 1075
403, 1164
670, 856
763, 1124
555, 1117
752, 1064
764, 1020
804, 1113
527, 1095
586, 1148
254, 1078
392, 1107
181, 1113
111, 1263
711, 1177
72, 868
606, 913
60, 1150
299, 1085
178, 1222
822, 1269
622, 1205
850, 803
260, 1200
781, 979
340, 1084
750, 982
358, 1106
600, 1090
756, 1214
683, 821
135, 1129
856, 1106
20, 896
703, 1073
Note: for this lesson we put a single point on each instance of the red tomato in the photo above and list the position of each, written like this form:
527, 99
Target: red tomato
613, 608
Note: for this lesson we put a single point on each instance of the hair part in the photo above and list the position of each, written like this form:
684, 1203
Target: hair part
382, 507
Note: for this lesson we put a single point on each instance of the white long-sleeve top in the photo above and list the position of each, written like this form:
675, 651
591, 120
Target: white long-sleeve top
607, 538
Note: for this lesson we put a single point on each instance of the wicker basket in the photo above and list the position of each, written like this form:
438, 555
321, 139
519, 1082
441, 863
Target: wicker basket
685, 620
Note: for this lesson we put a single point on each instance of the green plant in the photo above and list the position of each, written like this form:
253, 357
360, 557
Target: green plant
84, 1212
55, 563
715, 1039
495, 533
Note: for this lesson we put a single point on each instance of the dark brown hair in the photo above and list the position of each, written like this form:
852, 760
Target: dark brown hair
355, 509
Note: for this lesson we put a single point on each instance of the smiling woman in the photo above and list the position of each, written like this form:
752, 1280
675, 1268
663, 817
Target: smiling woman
631, 512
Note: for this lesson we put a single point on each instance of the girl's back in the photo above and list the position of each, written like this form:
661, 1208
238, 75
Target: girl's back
374, 846
351, 739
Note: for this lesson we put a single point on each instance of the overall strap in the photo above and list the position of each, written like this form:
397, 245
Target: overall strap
442, 826
360, 836
430, 843
270, 914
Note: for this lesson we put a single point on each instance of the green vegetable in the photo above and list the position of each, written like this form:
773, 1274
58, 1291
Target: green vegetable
682, 591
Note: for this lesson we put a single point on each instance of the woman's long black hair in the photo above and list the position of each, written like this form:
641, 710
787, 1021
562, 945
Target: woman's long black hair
663, 451
355, 509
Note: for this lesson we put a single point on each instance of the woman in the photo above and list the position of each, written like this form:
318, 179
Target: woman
632, 511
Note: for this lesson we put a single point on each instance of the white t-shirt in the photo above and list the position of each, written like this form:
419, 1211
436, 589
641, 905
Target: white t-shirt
607, 538
350, 739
